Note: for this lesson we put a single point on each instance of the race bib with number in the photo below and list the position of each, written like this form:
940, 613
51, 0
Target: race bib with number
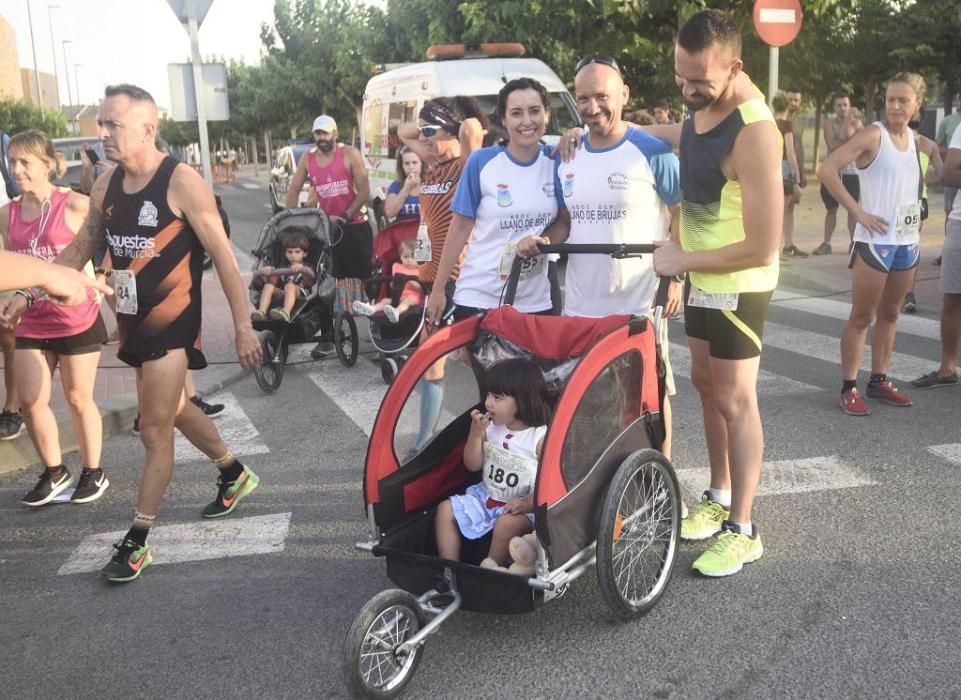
125, 290
908, 223
531, 267
422, 250
712, 300
507, 475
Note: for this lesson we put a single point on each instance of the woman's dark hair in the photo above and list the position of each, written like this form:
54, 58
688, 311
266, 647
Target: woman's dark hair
520, 84
521, 379
450, 112
401, 175
294, 238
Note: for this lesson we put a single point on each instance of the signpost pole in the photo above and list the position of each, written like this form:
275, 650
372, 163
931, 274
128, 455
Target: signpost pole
192, 25
773, 54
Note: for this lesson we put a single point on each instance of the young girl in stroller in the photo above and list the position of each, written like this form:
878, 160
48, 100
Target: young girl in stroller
296, 280
506, 444
412, 294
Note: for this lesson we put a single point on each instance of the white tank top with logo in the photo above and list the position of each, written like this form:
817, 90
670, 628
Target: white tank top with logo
510, 461
889, 189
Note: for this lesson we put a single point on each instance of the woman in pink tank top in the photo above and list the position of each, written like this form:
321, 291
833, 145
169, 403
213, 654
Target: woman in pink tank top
41, 223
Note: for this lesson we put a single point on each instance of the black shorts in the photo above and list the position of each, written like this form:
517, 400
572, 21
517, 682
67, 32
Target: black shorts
350, 258
852, 183
90, 340
731, 335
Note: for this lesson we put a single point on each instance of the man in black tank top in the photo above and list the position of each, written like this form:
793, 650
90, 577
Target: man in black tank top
730, 151
157, 217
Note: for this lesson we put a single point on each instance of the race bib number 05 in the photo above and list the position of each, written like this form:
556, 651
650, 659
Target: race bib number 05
125, 289
712, 300
908, 223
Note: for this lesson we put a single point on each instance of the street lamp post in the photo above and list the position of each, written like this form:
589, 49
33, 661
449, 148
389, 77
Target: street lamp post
53, 49
66, 69
33, 47
76, 84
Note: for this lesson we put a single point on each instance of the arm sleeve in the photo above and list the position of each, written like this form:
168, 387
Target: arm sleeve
667, 177
468, 195
393, 188
558, 190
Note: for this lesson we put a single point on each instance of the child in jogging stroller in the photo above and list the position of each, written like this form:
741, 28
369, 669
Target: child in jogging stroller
310, 291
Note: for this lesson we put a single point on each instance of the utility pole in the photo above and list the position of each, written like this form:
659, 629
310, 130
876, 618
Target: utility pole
53, 50
33, 48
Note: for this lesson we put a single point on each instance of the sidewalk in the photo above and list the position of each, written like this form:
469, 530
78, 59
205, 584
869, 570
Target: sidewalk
116, 390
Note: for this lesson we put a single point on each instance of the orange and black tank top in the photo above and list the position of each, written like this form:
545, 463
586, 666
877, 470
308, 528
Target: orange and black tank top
163, 252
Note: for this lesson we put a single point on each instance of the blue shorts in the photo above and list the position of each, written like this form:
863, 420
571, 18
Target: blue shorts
886, 258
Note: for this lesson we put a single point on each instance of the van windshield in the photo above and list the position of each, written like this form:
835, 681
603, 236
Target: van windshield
563, 115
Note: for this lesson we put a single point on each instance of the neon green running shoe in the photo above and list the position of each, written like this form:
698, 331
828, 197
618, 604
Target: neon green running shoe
704, 520
129, 561
231, 493
729, 553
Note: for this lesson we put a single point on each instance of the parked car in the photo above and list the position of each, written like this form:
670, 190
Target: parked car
282, 173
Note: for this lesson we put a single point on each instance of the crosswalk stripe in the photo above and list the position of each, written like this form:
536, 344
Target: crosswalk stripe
235, 537
786, 476
832, 308
768, 383
356, 392
950, 452
828, 348
235, 428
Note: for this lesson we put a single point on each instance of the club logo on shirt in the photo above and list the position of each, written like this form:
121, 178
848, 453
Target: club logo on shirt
617, 181
569, 185
148, 214
503, 196
548, 189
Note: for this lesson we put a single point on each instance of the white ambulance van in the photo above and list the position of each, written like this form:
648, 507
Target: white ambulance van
395, 96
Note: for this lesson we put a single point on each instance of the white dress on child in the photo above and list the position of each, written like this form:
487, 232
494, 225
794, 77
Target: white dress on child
510, 467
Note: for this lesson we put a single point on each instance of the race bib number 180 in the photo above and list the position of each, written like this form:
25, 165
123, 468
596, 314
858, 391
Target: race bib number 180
125, 289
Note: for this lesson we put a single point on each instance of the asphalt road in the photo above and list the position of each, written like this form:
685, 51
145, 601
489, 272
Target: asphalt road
855, 596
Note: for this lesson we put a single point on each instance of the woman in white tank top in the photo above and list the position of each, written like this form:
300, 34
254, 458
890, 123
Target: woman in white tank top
885, 252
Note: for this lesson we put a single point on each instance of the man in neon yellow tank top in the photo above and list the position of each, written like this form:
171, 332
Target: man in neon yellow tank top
731, 208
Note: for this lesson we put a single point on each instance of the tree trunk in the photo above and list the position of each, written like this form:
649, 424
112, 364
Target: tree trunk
869, 112
267, 148
253, 150
817, 135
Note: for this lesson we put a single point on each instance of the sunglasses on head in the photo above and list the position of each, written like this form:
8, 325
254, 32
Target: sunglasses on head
603, 60
429, 130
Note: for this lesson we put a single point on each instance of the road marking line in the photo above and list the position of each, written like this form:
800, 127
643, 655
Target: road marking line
828, 348
768, 383
235, 428
169, 544
244, 261
357, 392
950, 452
832, 308
787, 476
250, 186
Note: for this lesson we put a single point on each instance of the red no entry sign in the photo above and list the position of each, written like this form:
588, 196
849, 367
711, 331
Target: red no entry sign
777, 21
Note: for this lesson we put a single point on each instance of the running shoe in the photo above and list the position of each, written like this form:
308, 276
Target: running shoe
11, 424
258, 315
231, 493
280, 315
210, 409
129, 561
391, 313
792, 251
90, 486
910, 304
853, 404
730, 552
361, 308
135, 430
886, 392
823, 249
937, 261
48, 487
322, 350
704, 520
933, 379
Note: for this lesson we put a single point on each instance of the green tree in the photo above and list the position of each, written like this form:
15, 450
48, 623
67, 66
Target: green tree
20, 115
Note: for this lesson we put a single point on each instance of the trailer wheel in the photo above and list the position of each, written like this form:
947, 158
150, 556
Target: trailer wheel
638, 535
372, 664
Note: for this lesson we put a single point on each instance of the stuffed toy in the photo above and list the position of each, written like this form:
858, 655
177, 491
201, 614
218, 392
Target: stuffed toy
523, 552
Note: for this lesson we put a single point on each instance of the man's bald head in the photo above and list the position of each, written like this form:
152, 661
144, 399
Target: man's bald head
128, 122
601, 94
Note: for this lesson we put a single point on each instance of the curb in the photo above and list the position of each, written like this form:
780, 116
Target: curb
788, 277
117, 414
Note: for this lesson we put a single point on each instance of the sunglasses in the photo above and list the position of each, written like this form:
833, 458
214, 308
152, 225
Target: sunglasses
428, 131
603, 60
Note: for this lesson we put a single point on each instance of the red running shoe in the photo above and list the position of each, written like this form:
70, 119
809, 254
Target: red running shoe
887, 393
853, 404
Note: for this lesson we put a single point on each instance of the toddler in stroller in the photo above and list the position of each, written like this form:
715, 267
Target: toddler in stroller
295, 281
412, 294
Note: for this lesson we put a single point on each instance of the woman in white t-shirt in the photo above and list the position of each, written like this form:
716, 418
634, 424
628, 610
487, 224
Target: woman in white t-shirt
506, 193
886, 239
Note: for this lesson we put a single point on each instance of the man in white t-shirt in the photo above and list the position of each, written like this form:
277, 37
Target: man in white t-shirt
947, 373
621, 186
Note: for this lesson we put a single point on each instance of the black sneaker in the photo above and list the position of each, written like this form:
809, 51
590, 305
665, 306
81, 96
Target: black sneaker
48, 488
323, 349
129, 561
910, 304
209, 409
90, 486
11, 424
135, 430
793, 251
231, 493
937, 261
